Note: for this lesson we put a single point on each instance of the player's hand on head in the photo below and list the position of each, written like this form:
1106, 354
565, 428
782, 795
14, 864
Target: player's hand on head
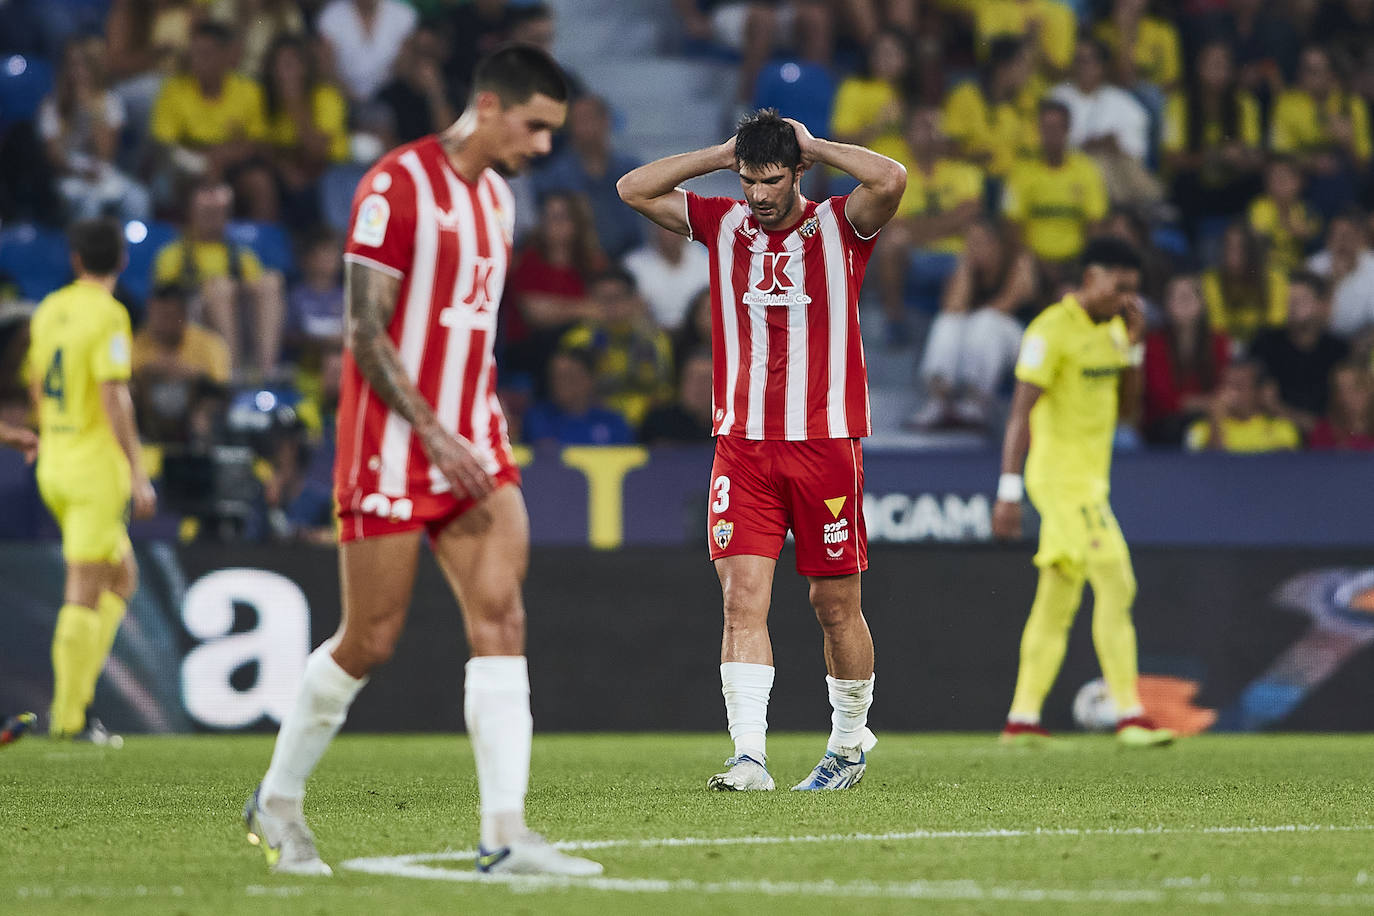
456, 460
1133, 312
144, 499
1006, 520
727, 155
806, 141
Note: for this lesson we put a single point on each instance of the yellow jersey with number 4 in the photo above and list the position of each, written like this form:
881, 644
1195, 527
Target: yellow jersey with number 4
78, 338
1077, 362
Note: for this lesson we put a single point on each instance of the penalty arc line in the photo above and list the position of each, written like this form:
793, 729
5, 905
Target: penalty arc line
417, 866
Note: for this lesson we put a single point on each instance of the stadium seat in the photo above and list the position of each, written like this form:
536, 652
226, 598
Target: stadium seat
24, 81
144, 240
36, 257
336, 194
268, 241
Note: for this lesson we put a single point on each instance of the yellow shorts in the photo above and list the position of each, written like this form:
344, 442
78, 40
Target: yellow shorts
94, 519
1077, 533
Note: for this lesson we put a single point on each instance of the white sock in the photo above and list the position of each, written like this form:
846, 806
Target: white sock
1130, 712
325, 694
746, 688
1023, 719
849, 721
496, 706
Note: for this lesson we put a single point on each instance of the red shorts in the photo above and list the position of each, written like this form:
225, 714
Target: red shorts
760, 489
373, 515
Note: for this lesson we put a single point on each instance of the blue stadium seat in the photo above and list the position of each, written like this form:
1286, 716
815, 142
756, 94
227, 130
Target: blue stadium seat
36, 257
24, 81
268, 241
143, 241
336, 193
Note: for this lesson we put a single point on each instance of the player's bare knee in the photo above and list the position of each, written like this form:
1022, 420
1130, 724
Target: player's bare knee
745, 608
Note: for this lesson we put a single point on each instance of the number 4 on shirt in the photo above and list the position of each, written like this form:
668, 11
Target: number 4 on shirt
54, 385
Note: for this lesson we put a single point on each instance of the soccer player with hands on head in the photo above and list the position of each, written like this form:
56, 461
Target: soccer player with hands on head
790, 404
423, 450
1079, 369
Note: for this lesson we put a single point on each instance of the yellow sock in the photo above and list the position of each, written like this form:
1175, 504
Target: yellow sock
1045, 640
1114, 632
75, 641
111, 612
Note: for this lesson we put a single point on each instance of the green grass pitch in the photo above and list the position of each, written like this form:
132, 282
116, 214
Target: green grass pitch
948, 823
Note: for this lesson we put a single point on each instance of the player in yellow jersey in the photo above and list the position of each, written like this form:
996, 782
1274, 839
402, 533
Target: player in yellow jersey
89, 465
1079, 367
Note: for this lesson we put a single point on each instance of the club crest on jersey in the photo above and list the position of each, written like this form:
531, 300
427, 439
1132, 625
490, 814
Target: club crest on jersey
373, 215
809, 228
722, 532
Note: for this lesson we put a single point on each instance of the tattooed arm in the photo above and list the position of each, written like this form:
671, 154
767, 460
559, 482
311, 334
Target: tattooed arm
370, 300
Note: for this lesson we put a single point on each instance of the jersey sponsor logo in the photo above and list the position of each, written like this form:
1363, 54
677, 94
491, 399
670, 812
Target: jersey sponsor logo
480, 302
373, 215
1098, 372
836, 532
775, 286
447, 219
396, 510
722, 532
834, 553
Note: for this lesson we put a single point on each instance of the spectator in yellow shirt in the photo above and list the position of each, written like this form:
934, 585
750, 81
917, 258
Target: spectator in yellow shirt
1281, 218
1244, 292
992, 120
1326, 127
868, 106
1047, 24
1211, 144
210, 120
922, 243
217, 276
1055, 199
1144, 48
1237, 421
307, 128
172, 358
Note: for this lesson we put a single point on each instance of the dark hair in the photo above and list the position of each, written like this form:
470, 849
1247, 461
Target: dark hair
268, 80
98, 245
517, 72
1230, 107
1002, 50
615, 275
1201, 361
588, 258
528, 12
169, 291
1111, 252
1349, 214
583, 356
217, 32
1307, 278
764, 138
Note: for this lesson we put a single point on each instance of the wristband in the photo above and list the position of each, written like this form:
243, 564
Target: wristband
1136, 355
1010, 489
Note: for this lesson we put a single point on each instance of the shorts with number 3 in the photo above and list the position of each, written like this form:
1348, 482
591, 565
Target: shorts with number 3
761, 489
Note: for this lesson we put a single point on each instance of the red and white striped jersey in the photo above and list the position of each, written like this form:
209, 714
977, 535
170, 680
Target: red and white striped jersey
448, 241
789, 362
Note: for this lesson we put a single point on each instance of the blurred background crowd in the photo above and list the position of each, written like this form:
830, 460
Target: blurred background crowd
1229, 139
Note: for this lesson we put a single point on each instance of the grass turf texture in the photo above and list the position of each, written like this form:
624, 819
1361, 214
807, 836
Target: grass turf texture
155, 827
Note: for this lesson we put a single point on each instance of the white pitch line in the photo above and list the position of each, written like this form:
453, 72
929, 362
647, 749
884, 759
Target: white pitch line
418, 866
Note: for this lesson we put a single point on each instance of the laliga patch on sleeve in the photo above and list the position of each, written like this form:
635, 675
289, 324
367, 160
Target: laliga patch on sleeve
119, 350
370, 227
1033, 352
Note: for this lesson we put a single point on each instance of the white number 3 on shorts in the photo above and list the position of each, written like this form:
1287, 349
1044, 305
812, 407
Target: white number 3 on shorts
722, 488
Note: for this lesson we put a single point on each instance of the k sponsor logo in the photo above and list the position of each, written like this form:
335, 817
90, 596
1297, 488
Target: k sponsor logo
722, 532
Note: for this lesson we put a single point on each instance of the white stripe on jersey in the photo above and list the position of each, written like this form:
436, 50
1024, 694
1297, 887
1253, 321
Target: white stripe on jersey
395, 455
458, 337
481, 406
798, 344
838, 314
758, 352
729, 324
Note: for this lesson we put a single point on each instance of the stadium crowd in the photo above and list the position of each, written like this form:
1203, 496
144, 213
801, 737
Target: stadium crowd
1231, 141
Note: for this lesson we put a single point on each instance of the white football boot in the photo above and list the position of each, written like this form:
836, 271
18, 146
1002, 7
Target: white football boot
745, 774
841, 770
534, 855
284, 839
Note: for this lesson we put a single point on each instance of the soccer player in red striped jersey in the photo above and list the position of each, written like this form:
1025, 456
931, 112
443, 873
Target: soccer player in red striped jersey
423, 451
790, 405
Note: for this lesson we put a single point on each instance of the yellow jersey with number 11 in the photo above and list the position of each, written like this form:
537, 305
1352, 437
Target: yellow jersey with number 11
78, 338
1077, 362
